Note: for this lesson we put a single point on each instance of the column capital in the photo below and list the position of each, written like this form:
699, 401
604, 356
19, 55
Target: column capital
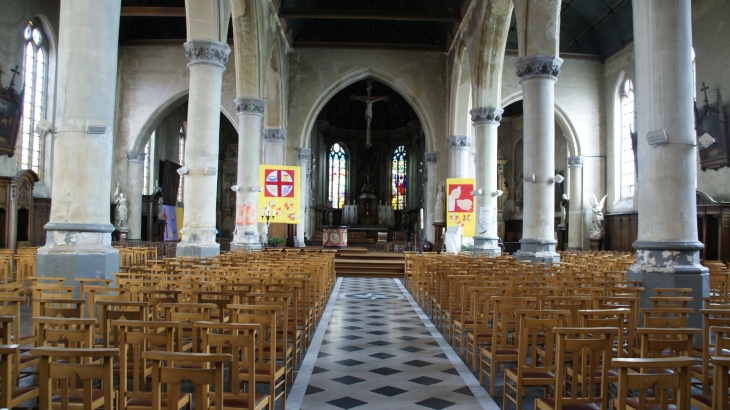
207, 52
304, 154
431, 158
459, 142
135, 156
274, 135
538, 66
576, 161
486, 115
250, 106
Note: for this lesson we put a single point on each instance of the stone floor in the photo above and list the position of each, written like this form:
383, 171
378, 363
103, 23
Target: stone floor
380, 351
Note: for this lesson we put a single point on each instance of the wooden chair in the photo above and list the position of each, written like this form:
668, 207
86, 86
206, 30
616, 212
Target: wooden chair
136, 337
187, 314
504, 346
11, 394
587, 351
481, 334
209, 373
266, 368
87, 365
668, 379
109, 310
535, 364
240, 340
722, 382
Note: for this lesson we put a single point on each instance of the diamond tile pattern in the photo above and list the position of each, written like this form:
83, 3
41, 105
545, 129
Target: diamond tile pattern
385, 361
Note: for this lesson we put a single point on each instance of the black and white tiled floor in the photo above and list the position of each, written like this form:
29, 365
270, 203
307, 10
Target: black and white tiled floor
380, 351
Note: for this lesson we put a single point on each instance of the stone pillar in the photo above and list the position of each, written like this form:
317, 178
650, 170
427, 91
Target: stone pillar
576, 224
303, 155
538, 74
78, 238
667, 249
250, 115
207, 63
274, 142
135, 185
459, 156
431, 158
486, 121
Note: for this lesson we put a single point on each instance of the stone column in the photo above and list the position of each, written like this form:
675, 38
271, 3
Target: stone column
538, 74
135, 185
486, 121
78, 238
274, 142
667, 248
303, 157
250, 115
459, 156
207, 63
576, 223
431, 158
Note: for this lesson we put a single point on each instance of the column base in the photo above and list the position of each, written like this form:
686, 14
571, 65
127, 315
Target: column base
538, 250
197, 250
73, 262
671, 268
485, 246
245, 247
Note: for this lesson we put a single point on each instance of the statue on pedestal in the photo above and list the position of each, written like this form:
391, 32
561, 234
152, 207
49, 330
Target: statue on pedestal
120, 200
597, 220
440, 209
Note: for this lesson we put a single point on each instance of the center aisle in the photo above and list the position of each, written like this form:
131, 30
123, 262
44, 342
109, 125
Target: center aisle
380, 351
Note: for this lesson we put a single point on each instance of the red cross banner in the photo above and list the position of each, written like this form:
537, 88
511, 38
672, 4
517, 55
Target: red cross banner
460, 204
279, 196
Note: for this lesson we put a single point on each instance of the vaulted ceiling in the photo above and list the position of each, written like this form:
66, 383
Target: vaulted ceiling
597, 27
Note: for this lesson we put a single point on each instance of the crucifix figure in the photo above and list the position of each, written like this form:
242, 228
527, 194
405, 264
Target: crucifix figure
369, 100
12, 80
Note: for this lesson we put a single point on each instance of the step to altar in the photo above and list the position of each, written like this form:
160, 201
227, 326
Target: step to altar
363, 263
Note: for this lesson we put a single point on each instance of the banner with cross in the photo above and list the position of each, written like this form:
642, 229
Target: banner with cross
460, 204
279, 197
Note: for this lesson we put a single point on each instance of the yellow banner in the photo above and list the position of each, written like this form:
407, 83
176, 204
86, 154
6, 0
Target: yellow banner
279, 197
460, 204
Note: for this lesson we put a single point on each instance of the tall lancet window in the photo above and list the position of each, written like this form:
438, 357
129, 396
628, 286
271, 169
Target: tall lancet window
628, 170
337, 176
181, 158
398, 188
34, 100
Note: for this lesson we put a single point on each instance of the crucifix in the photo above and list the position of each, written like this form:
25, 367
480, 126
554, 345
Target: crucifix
12, 80
705, 88
369, 100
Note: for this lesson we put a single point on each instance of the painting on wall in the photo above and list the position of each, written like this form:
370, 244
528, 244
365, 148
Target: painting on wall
11, 109
170, 217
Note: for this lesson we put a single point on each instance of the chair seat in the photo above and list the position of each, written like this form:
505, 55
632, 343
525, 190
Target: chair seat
550, 402
25, 358
241, 401
514, 352
146, 401
538, 374
20, 391
264, 369
633, 402
705, 399
96, 394
700, 370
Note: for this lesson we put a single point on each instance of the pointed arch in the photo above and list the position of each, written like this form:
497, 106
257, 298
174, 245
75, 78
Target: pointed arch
273, 90
461, 93
361, 74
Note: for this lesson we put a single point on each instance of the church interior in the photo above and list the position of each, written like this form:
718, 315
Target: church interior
423, 200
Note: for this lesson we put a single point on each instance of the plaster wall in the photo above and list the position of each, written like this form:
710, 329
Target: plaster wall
315, 75
710, 28
14, 17
618, 68
580, 114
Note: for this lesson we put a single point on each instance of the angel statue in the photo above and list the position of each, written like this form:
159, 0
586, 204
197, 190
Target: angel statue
597, 221
121, 208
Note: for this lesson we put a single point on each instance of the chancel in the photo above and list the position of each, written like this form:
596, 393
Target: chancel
380, 190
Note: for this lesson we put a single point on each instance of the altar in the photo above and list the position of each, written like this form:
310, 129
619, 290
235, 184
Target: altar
362, 236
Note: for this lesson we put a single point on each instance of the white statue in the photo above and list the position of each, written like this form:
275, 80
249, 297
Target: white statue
121, 212
597, 221
159, 209
440, 209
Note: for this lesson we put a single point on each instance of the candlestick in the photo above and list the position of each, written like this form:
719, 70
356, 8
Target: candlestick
421, 218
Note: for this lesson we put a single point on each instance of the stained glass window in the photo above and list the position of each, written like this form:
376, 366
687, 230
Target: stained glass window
337, 176
628, 174
34, 104
399, 178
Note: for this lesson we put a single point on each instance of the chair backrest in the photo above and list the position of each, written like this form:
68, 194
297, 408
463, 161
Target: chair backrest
65, 332
668, 379
536, 330
666, 342
187, 314
82, 368
118, 310
665, 317
588, 352
721, 382
504, 318
209, 374
615, 318
61, 307
239, 339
